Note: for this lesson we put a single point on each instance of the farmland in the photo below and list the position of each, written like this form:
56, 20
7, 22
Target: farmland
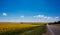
22, 28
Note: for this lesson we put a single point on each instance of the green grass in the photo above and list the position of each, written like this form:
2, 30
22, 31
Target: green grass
37, 31
34, 31
18, 31
56, 24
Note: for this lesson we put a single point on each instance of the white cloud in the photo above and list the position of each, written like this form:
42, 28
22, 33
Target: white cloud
4, 14
39, 16
22, 16
57, 18
46, 18
50, 18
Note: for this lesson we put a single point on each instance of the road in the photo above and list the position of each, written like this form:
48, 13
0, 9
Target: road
54, 30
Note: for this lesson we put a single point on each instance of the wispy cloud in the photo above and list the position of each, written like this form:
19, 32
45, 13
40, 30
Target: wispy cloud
36, 18
22, 16
39, 16
57, 18
46, 18
4, 14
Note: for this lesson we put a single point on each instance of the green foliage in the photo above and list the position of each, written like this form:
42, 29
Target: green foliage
17, 31
37, 31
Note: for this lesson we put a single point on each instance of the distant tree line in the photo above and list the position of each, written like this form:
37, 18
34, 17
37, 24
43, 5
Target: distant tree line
55, 23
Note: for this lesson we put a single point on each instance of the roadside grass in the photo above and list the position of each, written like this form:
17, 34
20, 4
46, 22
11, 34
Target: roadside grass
56, 24
37, 31
17, 31
22, 29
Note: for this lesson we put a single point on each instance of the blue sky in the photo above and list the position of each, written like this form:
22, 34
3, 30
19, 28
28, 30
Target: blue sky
29, 10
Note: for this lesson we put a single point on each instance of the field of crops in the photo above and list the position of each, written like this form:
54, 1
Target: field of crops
56, 24
19, 28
